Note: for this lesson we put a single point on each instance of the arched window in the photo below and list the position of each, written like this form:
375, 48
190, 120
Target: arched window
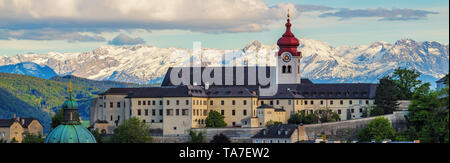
289, 69
284, 69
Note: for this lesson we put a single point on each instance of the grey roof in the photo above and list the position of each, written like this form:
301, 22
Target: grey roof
442, 80
119, 91
229, 91
305, 90
6, 122
173, 91
272, 132
246, 75
9, 122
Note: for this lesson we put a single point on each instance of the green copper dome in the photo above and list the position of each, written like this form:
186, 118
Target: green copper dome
70, 130
70, 104
70, 134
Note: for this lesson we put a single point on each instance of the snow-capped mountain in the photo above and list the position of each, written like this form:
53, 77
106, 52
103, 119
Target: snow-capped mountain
30, 69
320, 63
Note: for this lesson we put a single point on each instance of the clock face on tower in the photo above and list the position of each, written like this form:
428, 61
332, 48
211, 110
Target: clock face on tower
287, 57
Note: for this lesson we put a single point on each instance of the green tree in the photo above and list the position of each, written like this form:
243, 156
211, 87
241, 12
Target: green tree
271, 123
196, 137
220, 138
386, 96
13, 140
428, 115
31, 138
378, 129
296, 118
215, 120
327, 115
311, 118
133, 130
97, 135
57, 119
3, 141
406, 80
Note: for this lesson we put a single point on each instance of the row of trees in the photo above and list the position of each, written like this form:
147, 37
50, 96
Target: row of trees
322, 116
428, 116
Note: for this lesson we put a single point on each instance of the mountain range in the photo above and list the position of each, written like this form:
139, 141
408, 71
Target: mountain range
321, 62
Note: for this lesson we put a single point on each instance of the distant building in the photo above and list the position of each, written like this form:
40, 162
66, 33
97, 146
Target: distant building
177, 108
441, 83
16, 128
284, 133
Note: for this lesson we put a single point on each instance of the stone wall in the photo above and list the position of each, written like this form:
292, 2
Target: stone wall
348, 130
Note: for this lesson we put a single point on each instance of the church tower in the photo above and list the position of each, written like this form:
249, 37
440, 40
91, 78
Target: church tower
288, 61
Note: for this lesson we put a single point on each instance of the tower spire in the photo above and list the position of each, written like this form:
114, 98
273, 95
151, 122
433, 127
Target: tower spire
289, 15
70, 90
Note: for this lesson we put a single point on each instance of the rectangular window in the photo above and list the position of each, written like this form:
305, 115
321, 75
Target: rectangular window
205, 112
211, 102
187, 102
245, 102
178, 102
245, 112
342, 102
168, 102
222, 112
289, 102
331, 102
111, 105
160, 112
146, 112
353, 110
360, 102
118, 104
149, 102
271, 102
360, 110
153, 112
169, 112
278, 102
233, 102
233, 112
262, 102
139, 111
143, 102
177, 112
222, 102
321, 102
350, 102
160, 102
183, 112
367, 102
312, 102
306, 102
154, 102
139, 102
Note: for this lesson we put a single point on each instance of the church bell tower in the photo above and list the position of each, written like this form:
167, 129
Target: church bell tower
288, 60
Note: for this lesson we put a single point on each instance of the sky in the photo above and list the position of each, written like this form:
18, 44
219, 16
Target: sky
42, 26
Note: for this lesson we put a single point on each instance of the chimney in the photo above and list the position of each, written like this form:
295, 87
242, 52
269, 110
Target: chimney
23, 121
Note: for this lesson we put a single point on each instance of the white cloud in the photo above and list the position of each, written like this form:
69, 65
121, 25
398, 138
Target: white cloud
195, 15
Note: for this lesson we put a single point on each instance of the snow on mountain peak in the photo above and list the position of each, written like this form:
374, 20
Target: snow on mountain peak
320, 62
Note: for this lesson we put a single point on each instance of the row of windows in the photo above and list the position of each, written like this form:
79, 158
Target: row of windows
338, 111
169, 112
199, 112
177, 102
233, 112
222, 102
350, 102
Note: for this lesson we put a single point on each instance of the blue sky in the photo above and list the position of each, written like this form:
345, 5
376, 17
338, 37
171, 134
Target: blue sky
83, 25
